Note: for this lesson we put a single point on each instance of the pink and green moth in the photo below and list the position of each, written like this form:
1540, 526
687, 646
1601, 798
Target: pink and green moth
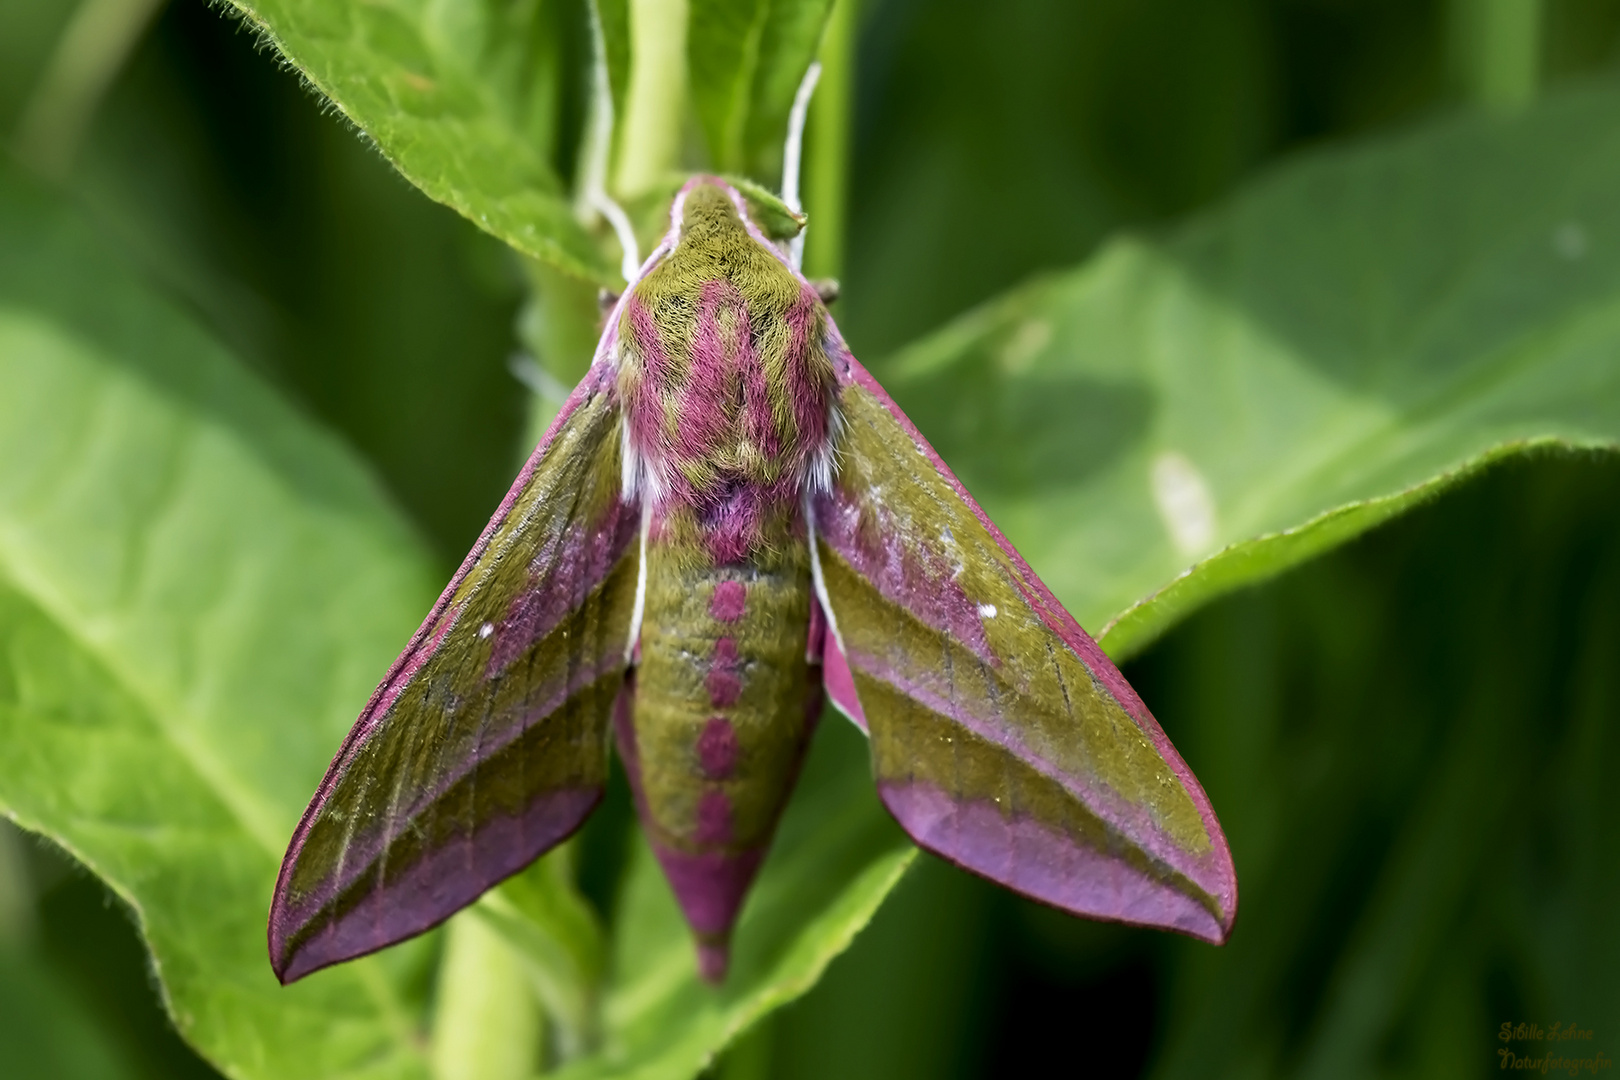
729, 521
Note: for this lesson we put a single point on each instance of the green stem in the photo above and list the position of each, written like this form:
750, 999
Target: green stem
553, 929
1496, 51
91, 52
826, 183
16, 888
487, 1025
650, 130
558, 326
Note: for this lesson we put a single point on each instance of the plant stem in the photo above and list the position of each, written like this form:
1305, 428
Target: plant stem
826, 184
487, 1025
650, 131
90, 53
1496, 51
558, 326
553, 929
16, 888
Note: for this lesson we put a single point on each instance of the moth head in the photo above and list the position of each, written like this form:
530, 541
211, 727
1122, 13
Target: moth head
707, 207
767, 219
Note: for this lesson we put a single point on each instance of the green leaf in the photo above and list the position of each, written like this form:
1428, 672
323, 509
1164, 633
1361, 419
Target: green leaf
466, 100
747, 59
1349, 337
198, 590
769, 212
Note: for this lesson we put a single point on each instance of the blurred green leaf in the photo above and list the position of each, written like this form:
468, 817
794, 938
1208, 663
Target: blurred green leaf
28, 32
915, 995
462, 98
747, 60
769, 212
83, 940
1348, 337
46, 1033
198, 589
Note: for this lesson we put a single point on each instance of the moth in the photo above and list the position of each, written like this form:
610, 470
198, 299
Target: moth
728, 523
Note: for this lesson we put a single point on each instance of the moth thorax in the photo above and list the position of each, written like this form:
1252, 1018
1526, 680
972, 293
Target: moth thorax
721, 389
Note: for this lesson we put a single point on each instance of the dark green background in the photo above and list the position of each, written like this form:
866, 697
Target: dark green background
1410, 742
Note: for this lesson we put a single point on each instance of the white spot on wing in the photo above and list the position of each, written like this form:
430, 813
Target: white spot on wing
486, 630
1185, 503
987, 610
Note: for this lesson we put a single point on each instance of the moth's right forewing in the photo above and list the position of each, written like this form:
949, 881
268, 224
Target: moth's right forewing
487, 742
1002, 737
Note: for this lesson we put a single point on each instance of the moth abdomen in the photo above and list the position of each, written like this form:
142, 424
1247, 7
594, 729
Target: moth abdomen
719, 724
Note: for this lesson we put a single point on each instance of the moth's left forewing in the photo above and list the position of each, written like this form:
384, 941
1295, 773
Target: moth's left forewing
486, 743
1002, 737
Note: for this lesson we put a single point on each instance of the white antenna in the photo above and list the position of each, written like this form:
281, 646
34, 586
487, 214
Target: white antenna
630, 264
793, 152
593, 196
